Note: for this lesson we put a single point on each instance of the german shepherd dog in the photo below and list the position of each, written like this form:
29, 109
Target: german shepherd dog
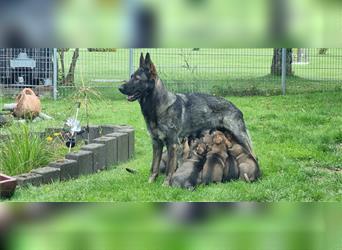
171, 117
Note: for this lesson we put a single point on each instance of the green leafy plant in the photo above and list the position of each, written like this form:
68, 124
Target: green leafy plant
23, 151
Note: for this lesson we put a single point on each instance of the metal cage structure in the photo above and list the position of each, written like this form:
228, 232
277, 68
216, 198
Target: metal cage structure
26, 67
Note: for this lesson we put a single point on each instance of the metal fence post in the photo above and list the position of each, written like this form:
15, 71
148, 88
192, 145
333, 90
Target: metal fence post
55, 73
283, 70
131, 63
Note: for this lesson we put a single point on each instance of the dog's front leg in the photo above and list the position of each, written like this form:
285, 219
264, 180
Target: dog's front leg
171, 163
157, 154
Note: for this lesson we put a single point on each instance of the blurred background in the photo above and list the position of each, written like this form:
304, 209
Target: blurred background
186, 23
171, 226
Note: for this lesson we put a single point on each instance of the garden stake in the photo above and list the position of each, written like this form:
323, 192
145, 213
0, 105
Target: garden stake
72, 139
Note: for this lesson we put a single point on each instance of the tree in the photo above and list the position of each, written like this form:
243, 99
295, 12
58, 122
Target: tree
70, 77
322, 51
277, 59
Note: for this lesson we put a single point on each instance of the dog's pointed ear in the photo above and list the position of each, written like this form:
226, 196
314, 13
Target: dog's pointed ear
150, 66
142, 60
148, 60
153, 71
227, 143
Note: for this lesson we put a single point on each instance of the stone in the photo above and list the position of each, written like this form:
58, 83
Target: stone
99, 155
107, 129
111, 151
49, 174
29, 179
68, 168
84, 161
131, 141
118, 127
130, 131
83, 136
122, 140
94, 132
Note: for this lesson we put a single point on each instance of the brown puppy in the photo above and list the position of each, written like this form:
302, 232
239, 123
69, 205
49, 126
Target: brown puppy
248, 167
215, 167
231, 171
207, 139
188, 173
186, 149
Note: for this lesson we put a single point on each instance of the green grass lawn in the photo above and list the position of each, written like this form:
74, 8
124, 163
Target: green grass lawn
297, 138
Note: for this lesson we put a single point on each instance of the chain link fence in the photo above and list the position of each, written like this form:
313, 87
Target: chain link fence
215, 71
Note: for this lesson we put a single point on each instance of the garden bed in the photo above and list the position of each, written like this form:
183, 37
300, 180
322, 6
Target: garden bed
105, 146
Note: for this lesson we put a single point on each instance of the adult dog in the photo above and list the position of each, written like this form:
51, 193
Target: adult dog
170, 117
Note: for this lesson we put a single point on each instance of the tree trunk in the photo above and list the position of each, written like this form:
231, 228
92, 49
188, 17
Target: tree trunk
61, 58
276, 62
69, 79
300, 55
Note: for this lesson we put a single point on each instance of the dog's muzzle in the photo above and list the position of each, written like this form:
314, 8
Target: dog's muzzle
121, 89
130, 98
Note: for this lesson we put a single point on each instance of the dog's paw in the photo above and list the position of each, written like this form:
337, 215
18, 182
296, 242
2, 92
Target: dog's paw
152, 178
167, 182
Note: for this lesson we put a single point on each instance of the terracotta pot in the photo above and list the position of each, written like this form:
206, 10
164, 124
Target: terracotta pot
7, 186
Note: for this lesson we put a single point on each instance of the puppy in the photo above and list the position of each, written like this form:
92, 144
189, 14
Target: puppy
231, 171
188, 173
247, 165
207, 138
215, 168
183, 153
186, 149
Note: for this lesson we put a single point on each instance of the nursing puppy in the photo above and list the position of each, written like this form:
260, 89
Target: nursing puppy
207, 138
183, 153
215, 168
187, 174
247, 166
231, 171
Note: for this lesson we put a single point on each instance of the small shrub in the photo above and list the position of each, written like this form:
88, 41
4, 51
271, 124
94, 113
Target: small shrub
23, 151
252, 90
322, 51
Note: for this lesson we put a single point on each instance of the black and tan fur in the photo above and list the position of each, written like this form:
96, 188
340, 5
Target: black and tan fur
170, 117
187, 174
247, 166
215, 165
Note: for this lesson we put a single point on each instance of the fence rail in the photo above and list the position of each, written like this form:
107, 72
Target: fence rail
215, 71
